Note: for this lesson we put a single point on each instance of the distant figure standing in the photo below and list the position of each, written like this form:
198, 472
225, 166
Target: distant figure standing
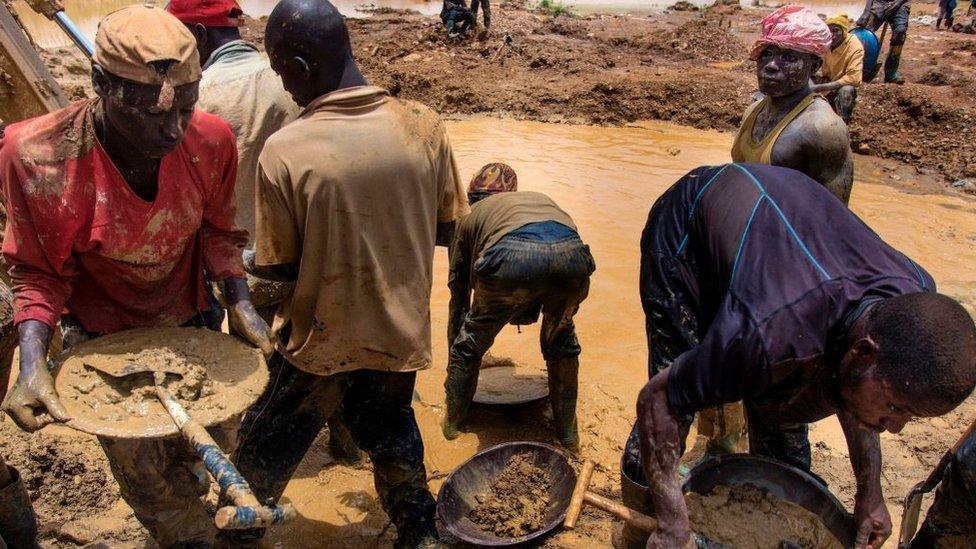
896, 13
946, 9
485, 10
843, 68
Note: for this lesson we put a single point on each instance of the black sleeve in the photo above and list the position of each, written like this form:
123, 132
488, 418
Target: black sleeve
728, 364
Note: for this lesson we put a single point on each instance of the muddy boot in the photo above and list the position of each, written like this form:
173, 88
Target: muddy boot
891, 66
18, 524
342, 447
460, 387
420, 535
563, 388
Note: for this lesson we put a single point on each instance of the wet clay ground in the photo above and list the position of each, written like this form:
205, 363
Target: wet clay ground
606, 178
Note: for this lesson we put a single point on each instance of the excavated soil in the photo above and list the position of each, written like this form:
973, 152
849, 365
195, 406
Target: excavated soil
686, 67
747, 516
517, 501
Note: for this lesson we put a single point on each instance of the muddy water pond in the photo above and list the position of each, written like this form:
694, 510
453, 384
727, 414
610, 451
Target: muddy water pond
607, 179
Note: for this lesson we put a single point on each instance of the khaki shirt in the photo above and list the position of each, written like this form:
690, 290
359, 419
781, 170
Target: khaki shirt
239, 86
353, 190
845, 63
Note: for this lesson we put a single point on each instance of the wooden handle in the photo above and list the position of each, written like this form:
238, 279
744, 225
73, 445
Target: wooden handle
969, 432
624, 513
576, 502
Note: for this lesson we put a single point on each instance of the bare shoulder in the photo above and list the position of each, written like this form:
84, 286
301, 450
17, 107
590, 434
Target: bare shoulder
822, 127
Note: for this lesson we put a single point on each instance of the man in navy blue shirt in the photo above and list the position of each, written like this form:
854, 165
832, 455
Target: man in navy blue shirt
759, 285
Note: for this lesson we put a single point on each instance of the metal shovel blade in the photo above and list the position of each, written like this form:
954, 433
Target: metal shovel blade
132, 368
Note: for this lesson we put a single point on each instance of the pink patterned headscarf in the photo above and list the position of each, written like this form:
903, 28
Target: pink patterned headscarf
793, 27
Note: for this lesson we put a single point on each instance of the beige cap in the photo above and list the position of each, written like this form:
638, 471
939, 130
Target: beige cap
130, 39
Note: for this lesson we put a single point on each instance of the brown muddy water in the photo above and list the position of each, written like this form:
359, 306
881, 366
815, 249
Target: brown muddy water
607, 179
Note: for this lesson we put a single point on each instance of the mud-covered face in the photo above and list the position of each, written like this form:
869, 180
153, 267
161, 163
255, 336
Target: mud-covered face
836, 35
783, 72
876, 405
132, 112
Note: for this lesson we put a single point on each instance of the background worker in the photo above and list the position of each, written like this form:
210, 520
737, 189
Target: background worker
520, 254
239, 86
350, 199
843, 66
485, 11
457, 18
793, 126
896, 14
759, 286
119, 208
946, 10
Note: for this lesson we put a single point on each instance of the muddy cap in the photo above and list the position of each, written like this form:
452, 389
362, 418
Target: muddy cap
494, 178
145, 44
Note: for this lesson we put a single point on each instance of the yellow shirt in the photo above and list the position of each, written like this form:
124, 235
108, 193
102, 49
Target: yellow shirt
845, 63
353, 190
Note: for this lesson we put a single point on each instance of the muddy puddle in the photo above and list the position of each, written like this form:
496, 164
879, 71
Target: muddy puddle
607, 179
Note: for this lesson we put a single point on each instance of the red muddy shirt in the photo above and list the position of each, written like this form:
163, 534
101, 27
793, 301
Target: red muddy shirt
78, 239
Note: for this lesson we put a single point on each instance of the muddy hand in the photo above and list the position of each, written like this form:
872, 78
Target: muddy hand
252, 328
33, 402
872, 520
244, 319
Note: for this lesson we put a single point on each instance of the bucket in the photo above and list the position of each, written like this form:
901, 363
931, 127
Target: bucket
872, 48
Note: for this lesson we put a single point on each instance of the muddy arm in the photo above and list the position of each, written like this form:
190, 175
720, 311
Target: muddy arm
827, 154
660, 441
871, 516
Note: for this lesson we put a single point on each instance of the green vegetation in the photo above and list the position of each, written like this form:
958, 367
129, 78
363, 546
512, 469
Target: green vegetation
555, 8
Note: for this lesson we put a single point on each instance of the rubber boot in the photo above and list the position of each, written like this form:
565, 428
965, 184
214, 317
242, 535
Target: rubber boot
459, 387
487, 15
891, 66
563, 389
18, 524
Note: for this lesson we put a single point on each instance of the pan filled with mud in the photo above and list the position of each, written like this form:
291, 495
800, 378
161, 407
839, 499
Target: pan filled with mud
507, 495
214, 376
744, 500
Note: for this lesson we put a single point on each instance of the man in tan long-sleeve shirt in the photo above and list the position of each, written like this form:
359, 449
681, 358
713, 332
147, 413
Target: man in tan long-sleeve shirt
350, 198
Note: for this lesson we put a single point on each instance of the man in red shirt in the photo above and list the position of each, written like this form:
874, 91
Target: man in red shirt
120, 209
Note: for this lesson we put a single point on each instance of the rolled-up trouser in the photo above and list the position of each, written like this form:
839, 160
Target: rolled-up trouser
458, 19
514, 281
163, 479
376, 407
951, 521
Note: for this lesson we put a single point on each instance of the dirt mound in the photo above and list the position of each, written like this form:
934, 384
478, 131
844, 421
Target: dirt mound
517, 502
68, 479
706, 38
